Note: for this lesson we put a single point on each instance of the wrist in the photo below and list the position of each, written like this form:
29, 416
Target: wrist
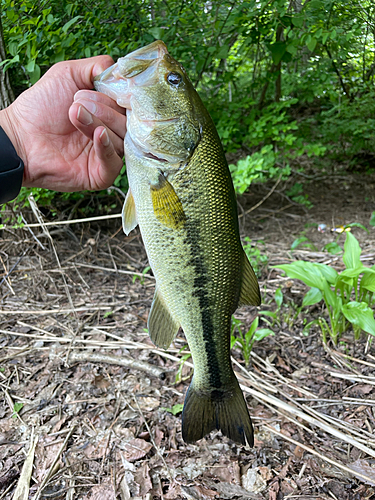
9, 124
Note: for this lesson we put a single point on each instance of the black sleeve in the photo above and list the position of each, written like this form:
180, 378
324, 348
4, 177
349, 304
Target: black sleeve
11, 169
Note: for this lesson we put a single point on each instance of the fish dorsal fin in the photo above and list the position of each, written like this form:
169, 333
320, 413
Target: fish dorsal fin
250, 294
129, 216
162, 328
167, 206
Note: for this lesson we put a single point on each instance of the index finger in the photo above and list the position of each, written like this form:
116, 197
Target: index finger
92, 95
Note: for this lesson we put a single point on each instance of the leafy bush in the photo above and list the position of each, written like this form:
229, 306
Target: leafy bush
349, 127
348, 296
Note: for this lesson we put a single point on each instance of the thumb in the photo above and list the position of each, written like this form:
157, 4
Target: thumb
83, 71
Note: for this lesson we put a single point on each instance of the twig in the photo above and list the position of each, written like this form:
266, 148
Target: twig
14, 266
263, 200
23, 486
114, 360
32, 234
73, 221
109, 270
295, 411
53, 465
323, 457
54, 311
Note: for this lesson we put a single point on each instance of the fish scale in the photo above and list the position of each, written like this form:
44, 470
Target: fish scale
182, 196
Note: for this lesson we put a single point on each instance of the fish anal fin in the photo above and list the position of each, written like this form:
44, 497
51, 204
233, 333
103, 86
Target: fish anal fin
162, 328
129, 215
250, 293
167, 206
225, 410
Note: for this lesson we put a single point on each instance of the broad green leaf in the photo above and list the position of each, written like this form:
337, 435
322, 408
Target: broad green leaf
372, 220
30, 66
330, 297
357, 224
333, 248
352, 252
277, 50
313, 296
70, 23
279, 297
157, 33
368, 280
298, 21
262, 333
253, 327
35, 75
328, 272
270, 314
360, 315
304, 271
298, 241
311, 44
353, 272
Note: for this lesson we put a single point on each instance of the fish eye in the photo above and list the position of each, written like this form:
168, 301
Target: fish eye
174, 78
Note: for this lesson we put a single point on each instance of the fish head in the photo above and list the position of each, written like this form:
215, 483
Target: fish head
164, 111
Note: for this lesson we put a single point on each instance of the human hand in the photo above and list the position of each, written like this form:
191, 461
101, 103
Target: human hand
65, 147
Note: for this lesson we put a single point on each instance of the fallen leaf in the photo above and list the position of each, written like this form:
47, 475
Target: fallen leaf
136, 449
274, 490
288, 486
174, 491
142, 477
362, 389
252, 481
101, 382
265, 473
101, 492
148, 403
298, 452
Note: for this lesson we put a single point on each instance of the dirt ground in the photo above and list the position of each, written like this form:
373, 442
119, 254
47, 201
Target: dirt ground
89, 407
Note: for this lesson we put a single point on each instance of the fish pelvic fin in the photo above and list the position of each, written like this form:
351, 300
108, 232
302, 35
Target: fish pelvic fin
129, 215
250, 293
225, 410
162, 328
167, 205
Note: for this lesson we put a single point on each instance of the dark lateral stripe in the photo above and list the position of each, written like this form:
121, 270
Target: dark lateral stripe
201, 283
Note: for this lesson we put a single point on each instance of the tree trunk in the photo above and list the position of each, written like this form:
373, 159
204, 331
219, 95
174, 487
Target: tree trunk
6, 92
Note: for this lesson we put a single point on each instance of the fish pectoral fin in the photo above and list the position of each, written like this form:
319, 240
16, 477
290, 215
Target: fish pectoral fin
224, 409
162, 328
250, 294
129, 215
167, 206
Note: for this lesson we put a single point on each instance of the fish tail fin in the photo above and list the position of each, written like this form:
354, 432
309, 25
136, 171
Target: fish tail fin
222, 409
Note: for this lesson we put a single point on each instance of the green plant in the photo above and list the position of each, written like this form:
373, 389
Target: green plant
303, 241
141, 278
183, 360
257, 259
348, 296
246, 340
17, 407
175, 410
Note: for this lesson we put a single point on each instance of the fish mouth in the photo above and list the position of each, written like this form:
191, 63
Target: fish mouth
136, 68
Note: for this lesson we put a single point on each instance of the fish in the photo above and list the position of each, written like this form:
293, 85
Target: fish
182, 197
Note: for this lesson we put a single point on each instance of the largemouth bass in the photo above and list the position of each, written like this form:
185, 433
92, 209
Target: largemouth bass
181, 195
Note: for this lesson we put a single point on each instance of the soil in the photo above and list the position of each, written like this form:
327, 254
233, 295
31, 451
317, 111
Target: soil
90, 409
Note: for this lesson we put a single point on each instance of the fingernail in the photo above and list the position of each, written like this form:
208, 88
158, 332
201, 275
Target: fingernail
104, 138
90, 106
84, 116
